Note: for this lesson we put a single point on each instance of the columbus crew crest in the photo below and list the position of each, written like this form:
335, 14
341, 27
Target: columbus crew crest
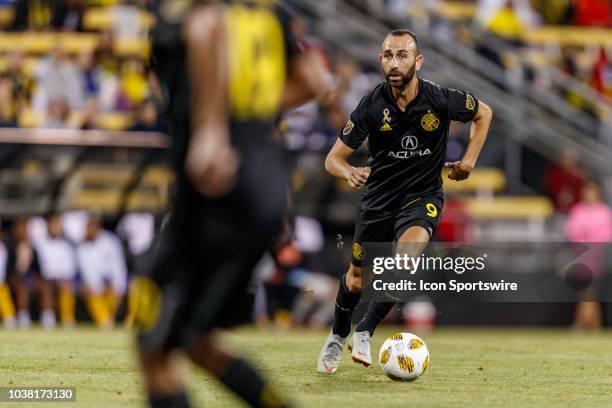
470, 103
430, 122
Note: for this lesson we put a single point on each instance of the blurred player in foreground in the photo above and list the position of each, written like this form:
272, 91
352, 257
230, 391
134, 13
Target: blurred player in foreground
229, 69
406, 121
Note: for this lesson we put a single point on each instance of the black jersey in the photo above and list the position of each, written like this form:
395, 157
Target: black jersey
406, 149
259, 47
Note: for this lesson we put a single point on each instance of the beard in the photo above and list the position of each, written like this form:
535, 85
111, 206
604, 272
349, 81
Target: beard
404, 80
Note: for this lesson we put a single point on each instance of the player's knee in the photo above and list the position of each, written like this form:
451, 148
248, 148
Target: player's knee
206, 353
353, 279
160, 373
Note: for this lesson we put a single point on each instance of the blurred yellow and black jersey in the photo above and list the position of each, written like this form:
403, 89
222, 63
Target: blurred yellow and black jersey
209, 247
259, 48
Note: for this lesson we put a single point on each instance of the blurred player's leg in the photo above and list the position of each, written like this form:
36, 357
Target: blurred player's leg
236, 373
162, 379
47, 314
7, 308
112, 299
132, 303
98, 309
22, 300
66, 303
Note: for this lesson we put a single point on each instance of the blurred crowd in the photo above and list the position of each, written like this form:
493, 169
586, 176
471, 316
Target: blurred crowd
65, 88
50, 262
476, 22
589, 63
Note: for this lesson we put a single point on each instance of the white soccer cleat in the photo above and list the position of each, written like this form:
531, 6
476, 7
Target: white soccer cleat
360, 348
331, 354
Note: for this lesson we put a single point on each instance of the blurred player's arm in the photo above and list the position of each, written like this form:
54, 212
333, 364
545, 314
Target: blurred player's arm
211, 162
306, 79
336, 163
461, 170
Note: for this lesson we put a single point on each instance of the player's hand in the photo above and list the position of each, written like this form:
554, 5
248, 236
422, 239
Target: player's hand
212, 164
458, 170
358, 176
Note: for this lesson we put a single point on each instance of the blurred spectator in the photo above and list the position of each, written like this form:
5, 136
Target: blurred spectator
590, 221
557, 12
506, 18
568, 65
34, 14
127, 22
456, 224
7, 308
563, 181
89, 115
602, 74
456, 143
22, 83
74, 224
91, 75
7, 113
352, 84
57, 115
593, 12
147, 119
39, 15
104, 273
105, 53
57, 77
134, 84
24, 272
69, 16
58, 268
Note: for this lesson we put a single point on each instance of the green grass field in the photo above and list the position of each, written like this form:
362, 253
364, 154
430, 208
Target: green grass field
469, 367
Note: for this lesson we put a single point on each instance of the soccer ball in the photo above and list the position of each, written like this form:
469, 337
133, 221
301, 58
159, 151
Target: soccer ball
404, 357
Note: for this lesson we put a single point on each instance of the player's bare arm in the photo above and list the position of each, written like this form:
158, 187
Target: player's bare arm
305, 80
336, 163
211, 162
461, 170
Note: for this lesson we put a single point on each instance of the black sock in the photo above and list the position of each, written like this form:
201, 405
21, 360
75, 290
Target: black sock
375, 314
246, 382
345, 304
177, 400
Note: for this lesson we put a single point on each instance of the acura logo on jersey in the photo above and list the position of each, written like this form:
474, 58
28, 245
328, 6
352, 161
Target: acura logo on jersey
410, 142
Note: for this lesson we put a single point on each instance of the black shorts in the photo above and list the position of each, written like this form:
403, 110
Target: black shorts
423, 211
206, 254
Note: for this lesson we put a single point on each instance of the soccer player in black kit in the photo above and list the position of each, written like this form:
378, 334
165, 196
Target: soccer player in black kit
228, 69
406, 121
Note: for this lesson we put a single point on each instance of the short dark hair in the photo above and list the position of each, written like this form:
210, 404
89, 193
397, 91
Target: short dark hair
399, 32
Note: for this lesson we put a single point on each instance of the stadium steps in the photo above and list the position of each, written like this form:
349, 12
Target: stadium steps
102, 188
71, 43
483, 181
103, 18
29, 118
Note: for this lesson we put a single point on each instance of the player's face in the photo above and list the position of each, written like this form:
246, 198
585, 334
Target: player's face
399, 60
